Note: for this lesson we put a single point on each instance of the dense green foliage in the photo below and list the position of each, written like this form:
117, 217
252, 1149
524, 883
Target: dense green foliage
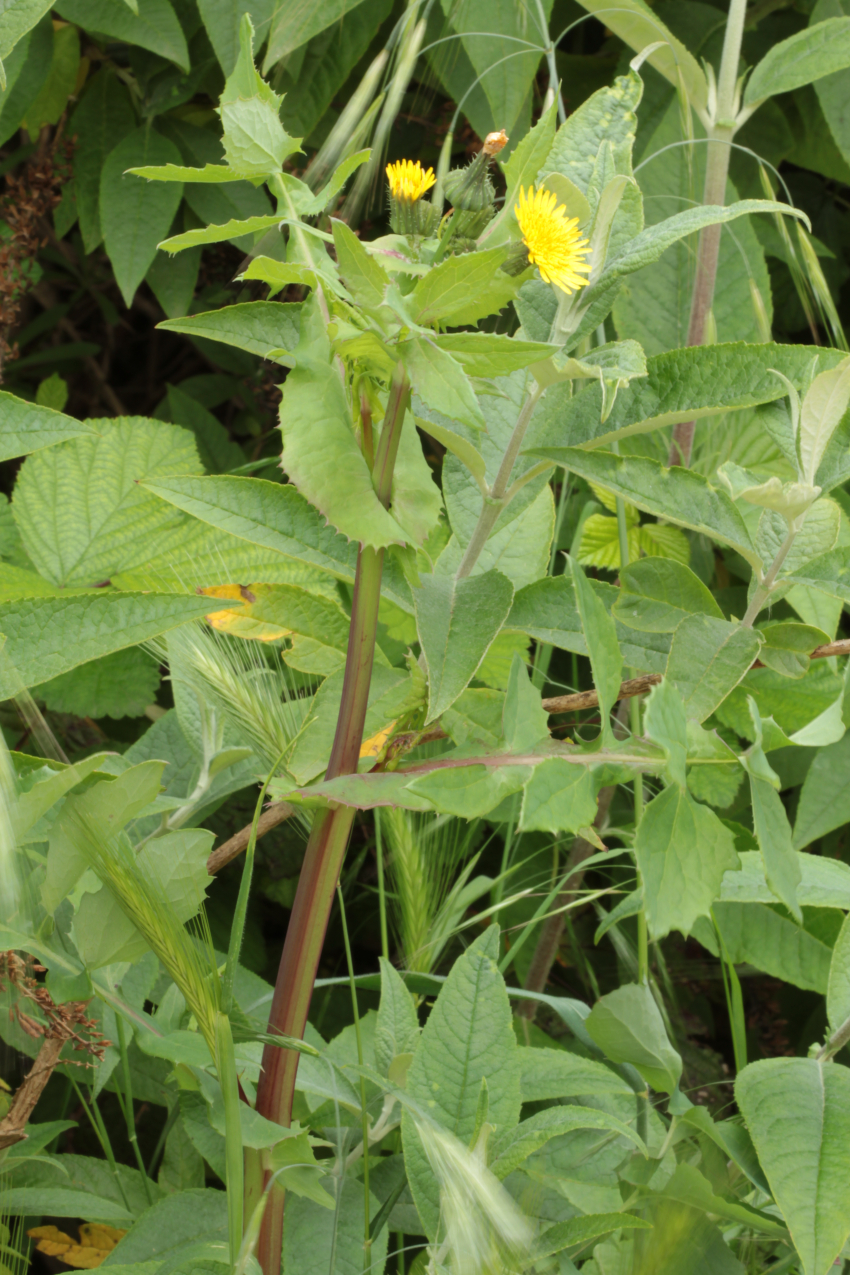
362, 588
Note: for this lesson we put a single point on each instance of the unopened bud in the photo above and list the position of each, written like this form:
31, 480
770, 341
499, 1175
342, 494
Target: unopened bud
495, 142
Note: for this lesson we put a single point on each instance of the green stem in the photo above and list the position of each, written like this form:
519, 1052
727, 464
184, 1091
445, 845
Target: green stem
364, 1117
328, 838
102, 1135
225, 1061
721, 133
764, 590
127, 1104
382, 890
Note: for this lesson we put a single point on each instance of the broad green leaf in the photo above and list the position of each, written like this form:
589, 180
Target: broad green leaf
665, 724
102, 520
440, 382
255, 141
265, 328
222, 18
64, 1201
831, 89
216, 448
682, 851
318, 1239
678, 495
805, 56
708, 658
62, 73
172, 1224
170, 172
182, 1166
367, 281
606, 118
26, 71
528, 157
636, 24
16, 20
155, 27
492, 353
513, 1147
135, 215
122, 684
51, 635
829, 573
691, 384
294, 24
656, 594
320, 452
468, 1038
397, 1028
773, 832
838, 988
825, 796
555, 1073
581, 1229
798, 1113
520, 545
525, 722
558, 798
457, 621
787, 646
600, 634
416, 502
218, 234
825, 882
27, 427
817, 536
827, 399
113, 1198
755, 934
628, 1028
463, 289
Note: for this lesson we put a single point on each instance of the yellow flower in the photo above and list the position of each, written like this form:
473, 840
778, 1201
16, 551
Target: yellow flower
553, 240
408, 180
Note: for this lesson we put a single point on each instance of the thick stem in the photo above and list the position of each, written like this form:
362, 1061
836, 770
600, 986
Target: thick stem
763, 590
328, 838
498, 498
716, 171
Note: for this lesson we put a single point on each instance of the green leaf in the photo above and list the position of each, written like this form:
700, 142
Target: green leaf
582, 1229
217, 450
656, 594
491, 353
52, 635
754, 934
322, 459
805, 56
134, 215
825, 796
171, 1226
637, 24
102, 520
18, 18
156, 27
513, 1147
169, 172
222, 19
691, 384
600, 634
682, 851
317, 1239
440, 382
829, 573
26, 70
468, 1038
678, 495
464, 289
708, 658
255, 141
294, 24
232, 229
831, 89
559, 797
773, 832
838, 988
29, 427
122, 684
415, 502
61, 79
826, 401
77, 1186
457, 621
556, 1073
628, 1028
260, 327
397, 1028
666, 724
367, 280
825, 882
524, 720
798, 1113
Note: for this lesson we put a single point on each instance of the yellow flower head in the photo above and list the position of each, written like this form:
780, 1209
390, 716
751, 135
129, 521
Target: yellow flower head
553, 240
408, 180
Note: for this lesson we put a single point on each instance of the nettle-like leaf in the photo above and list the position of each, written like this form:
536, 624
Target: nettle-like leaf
255, 141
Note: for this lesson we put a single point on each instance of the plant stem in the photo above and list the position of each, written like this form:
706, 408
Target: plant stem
720, 135
364, 1117
328, 838
382, 889
836, 1042
497, 500
127, 1104
225, 1062
763, 590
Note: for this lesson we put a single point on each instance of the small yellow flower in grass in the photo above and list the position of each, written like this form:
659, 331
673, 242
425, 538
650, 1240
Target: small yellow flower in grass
554, 242
408, 180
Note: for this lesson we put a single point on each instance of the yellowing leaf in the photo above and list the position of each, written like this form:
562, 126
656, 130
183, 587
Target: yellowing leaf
660, 540
95, 1243
372, 747
600, 542
239, 622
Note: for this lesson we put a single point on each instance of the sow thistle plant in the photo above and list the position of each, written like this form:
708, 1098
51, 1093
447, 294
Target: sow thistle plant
388, 338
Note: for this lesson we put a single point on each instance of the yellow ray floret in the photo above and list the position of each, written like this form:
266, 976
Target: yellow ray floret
408, 180
554, 242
